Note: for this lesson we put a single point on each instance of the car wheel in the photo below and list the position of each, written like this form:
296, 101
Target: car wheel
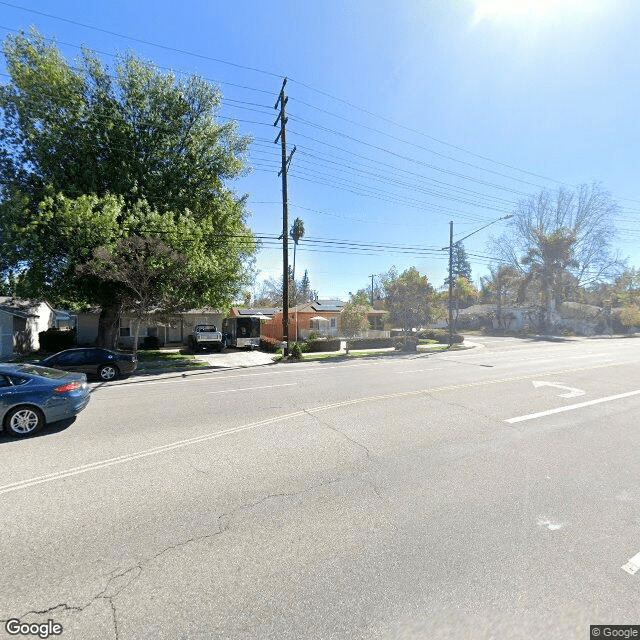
107, 372
23, 421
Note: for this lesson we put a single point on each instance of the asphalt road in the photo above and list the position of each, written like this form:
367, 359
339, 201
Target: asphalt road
489, 493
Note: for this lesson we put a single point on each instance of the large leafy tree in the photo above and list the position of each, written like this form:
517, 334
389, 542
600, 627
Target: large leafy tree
146, 273
626, 291
353, 320
409, 298
90, 157
585, 214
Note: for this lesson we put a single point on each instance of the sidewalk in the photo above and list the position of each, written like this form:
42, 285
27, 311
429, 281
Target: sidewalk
236, 359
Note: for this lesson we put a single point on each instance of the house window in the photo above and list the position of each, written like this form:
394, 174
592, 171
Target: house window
152, 332
333, 323
125, 332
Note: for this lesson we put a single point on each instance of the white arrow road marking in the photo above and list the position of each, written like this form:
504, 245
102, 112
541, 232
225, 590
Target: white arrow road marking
571, 407
572, 392
101, 464
633, 565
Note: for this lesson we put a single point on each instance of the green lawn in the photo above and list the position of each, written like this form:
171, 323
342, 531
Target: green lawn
155, 359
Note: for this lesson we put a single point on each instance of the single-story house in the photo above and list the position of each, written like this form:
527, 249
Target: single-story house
21, 322
322, 318
170, 329
12, 325
64, 320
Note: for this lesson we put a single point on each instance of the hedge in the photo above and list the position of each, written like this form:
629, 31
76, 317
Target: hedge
150, 343
54, 340
370, 343
440, 335
270, 345
406, 343
316, 346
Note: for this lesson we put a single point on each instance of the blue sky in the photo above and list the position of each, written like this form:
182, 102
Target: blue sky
405, 114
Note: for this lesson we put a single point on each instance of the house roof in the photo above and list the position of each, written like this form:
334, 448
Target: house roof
328, 306
271, 311
320, 306
15, 312
203, 312
21, 307
330, 301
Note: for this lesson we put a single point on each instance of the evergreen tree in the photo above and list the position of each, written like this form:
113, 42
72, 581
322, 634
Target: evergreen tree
459, 265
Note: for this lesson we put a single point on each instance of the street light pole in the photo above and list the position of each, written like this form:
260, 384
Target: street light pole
451, 243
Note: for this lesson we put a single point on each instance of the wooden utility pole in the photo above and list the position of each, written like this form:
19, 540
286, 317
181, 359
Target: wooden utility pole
372, 277
282, 136
450, 283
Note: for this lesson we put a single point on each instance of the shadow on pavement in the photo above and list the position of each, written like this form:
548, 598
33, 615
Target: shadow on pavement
50, 430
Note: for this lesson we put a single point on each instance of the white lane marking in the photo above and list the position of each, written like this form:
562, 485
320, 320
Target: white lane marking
552, 526
571, 407
268, 386
101, 464
633, 565
572, 391
192, 377
58, 475
416, 370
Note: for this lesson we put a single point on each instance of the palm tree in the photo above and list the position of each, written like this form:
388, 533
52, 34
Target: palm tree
296, 233
548, 259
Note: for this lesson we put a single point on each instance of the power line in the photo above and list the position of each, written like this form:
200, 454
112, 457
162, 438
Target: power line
413, 144
171, 69
142, 41
271, 74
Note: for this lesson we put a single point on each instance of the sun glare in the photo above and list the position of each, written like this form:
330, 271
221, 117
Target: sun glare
514, 8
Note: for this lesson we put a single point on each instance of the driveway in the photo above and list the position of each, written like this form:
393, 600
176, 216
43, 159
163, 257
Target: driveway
236, 358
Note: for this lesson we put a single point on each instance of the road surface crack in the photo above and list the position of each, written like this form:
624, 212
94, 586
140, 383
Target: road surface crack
115, 619
342, 434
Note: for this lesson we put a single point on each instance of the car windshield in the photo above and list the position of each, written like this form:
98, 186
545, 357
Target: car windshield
45, 372
206, 327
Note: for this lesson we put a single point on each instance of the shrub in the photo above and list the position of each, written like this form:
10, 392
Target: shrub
151, 342
316, 346
53, 340
370, 343
441, 336
406, 343
270, 345
296, 351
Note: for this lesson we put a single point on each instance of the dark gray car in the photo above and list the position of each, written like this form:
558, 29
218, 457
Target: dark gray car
93, 361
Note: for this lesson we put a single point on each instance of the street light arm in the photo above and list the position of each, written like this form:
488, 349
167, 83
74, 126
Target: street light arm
485, 226
450, 247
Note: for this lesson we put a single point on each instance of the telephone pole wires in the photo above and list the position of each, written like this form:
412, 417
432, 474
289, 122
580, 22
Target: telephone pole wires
282, 136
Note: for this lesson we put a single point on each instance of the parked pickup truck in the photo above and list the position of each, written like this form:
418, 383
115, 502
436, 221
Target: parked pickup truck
207, 337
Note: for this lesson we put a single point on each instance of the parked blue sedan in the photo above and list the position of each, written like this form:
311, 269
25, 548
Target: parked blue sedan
32, 397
